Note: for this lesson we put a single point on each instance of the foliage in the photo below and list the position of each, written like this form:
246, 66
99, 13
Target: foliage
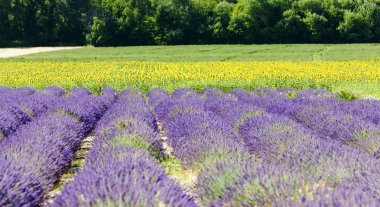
147, 22
347, 95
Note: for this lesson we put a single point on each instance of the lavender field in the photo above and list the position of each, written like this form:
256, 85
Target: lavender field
262, 147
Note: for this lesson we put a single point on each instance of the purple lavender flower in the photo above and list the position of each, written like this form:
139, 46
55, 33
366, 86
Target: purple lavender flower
339, 196
79, 92
119, 169
184, 92
156, 96
123, 176
36, 155
54, 90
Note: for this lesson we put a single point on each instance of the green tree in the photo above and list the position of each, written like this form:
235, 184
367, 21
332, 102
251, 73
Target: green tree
361, 24
355, 28
220, 22
3, 23
131, 21
249, 19
173, 22
71, 20
317, 26
202, 19
291, 29
99, 34
142, 22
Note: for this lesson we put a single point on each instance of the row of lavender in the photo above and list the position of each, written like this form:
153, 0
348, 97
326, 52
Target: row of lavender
278, 148
121, 169
351, 123
248, 148
19, 106
45, 130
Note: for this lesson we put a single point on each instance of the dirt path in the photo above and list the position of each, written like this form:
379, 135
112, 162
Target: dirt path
186, 178
14, 52
76, 165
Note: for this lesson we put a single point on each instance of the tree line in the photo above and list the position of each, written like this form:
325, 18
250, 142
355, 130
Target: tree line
168, 22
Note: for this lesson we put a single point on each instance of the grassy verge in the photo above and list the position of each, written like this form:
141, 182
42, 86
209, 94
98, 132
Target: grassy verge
223, 53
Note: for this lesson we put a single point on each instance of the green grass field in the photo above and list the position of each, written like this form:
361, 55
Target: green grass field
285, 52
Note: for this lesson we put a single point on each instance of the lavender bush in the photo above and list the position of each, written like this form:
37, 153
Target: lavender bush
262, 147
21, 106
120, 170
195, 134
33, 158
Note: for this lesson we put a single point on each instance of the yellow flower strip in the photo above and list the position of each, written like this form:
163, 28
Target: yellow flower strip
161, 74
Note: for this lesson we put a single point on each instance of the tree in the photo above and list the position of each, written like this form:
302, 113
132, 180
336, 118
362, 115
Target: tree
3, 23
202, 19
143, 22
130, 19
355, 28
220, 22
72, 20
317, 26
173, 22
291, 29
362, 24
99, 33
248, 20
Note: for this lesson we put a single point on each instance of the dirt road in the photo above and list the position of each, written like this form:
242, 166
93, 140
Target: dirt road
14, 52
